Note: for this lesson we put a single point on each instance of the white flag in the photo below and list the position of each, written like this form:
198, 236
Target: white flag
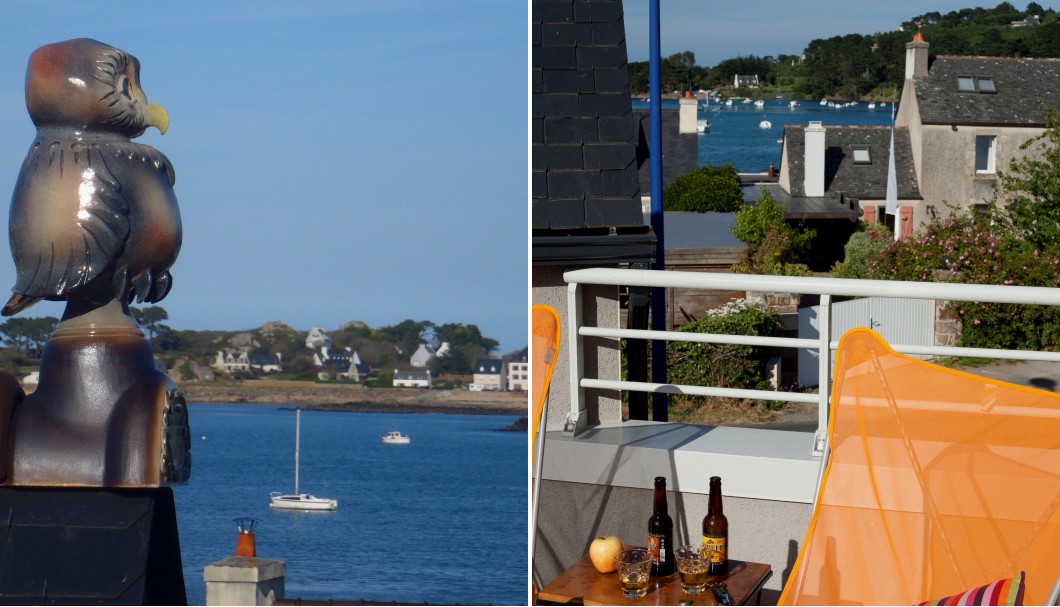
892, 180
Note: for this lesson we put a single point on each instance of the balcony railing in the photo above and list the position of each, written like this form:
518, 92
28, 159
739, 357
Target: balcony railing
825, 344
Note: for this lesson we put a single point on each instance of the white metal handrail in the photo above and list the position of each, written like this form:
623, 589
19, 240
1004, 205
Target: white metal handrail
825, 287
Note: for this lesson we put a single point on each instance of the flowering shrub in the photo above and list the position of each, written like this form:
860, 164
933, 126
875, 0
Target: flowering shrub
982, 252
722, 365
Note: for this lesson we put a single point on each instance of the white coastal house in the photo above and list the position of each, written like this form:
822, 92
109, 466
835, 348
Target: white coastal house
317, 338
228, 362
487, 373
749, 81
518, 375
424, 354
412, 378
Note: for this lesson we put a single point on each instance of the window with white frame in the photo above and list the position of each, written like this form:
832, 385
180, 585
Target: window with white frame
985, 149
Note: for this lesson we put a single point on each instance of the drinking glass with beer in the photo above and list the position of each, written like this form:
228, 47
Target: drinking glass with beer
634, 571
693, 567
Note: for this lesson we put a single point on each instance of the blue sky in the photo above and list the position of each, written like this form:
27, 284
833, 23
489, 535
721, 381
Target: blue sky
335, 161
715, 31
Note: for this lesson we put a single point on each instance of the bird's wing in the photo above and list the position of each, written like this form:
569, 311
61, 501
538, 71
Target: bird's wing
69, 218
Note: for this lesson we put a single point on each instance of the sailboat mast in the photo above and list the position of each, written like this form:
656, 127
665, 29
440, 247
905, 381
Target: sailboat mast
297, 438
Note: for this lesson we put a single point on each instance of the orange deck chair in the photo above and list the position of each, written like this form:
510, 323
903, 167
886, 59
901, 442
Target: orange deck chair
544, 352
939, 482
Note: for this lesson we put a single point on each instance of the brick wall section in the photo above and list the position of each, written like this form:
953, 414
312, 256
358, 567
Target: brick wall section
584, 169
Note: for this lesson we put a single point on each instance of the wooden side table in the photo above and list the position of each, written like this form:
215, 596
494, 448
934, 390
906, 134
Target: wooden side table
582, 584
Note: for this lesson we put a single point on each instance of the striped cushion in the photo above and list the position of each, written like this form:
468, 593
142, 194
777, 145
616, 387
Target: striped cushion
1001, 592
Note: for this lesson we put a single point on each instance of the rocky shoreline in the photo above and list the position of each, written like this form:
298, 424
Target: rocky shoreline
346, 397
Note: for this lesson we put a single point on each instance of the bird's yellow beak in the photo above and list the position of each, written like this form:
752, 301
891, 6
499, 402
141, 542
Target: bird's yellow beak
158, 117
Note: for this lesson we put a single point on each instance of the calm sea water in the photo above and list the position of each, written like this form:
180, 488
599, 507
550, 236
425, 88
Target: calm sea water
736, 138
441, 520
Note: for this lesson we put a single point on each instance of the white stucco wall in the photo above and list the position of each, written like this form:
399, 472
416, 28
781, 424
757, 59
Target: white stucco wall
602, 356
949, 175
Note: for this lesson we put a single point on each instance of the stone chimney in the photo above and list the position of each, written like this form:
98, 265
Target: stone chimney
813, 169
916, 57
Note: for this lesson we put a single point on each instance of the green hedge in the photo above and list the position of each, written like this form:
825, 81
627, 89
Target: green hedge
705, 189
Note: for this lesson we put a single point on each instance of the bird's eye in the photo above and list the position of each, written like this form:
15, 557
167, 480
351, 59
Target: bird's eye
124, 82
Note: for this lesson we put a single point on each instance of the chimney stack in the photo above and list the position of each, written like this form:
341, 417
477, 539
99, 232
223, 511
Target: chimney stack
916, 56
813, 170
687, 115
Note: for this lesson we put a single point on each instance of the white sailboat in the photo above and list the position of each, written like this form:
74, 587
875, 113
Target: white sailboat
296, 500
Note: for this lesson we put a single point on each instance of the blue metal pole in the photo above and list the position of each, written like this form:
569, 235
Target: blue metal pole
660, 402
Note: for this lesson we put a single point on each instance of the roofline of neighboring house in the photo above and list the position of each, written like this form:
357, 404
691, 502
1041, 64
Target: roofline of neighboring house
1043, 59
593, 249
1007, 125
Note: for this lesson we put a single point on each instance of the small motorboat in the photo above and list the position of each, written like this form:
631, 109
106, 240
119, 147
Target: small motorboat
765, 124
760, 103
872, 106
702, 126
793, 104
396, 438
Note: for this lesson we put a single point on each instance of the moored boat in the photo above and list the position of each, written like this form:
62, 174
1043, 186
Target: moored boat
396, 438
301, 501
297, 500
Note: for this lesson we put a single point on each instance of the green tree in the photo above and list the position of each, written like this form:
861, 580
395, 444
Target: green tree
407, 335
1032, 186
27, 335
705, 189
774, 246
150, 320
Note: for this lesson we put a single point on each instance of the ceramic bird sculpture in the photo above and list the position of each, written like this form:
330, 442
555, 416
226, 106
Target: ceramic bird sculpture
93, 214
94, 222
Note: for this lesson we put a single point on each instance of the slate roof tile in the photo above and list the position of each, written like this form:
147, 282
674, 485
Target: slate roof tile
842, 174
1020, 83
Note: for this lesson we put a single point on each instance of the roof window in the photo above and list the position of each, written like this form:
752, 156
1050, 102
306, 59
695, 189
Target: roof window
861, 156
976, 84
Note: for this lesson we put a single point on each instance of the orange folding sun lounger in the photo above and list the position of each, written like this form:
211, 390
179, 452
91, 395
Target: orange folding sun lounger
939, 482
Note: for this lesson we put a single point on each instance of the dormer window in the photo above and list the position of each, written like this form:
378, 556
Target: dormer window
861, 156
976, 84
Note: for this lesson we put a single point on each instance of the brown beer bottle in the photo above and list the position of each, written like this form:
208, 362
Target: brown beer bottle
716, 531
661, 533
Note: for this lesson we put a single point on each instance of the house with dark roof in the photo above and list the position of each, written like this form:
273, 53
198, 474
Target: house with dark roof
229, 362
412, 378
487, 373
340, 363
846, 164
746, 81
967, 118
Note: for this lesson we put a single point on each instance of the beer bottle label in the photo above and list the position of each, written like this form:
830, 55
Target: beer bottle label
655, 547
714, 546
